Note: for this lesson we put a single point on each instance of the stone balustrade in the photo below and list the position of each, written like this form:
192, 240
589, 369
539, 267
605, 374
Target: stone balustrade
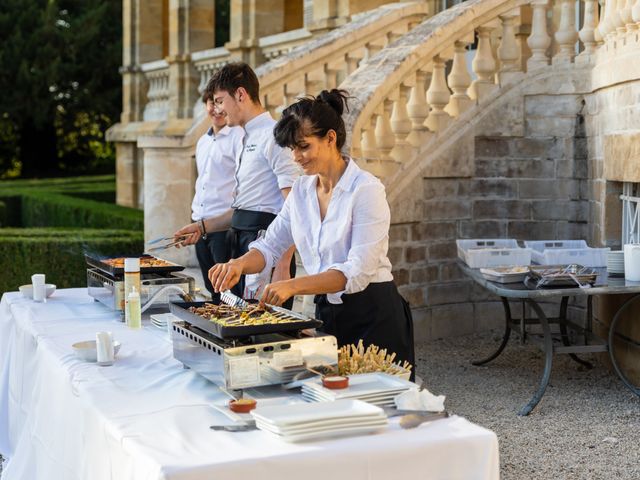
411, 95
325, 61
208, 61
279, 44
157, 75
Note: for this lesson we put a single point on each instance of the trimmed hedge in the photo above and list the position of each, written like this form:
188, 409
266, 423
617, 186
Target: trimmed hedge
43, 209
59, 253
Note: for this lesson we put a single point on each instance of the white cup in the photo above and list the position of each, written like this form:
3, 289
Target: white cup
104, 348
632, 262
39, 290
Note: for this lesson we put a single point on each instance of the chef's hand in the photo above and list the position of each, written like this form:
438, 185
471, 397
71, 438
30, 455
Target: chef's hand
223, 276
278, 292
192, 232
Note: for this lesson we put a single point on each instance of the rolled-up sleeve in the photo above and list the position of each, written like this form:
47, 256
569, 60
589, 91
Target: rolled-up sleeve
369, 238
282, 163
277, 239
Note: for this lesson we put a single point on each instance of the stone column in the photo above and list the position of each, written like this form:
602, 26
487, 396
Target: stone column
168, 190
252, 19
191, 25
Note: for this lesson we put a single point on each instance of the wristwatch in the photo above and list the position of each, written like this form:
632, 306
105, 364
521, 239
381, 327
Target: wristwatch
203, 229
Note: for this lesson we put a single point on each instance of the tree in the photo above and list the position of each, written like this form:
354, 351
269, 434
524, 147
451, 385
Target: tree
61, 89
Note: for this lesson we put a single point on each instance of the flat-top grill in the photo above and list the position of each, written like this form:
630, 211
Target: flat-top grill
236, 357
105, 282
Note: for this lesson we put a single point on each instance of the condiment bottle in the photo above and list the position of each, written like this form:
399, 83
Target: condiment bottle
131, 280
134, 315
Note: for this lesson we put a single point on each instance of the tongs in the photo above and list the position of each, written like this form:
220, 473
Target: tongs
173, 242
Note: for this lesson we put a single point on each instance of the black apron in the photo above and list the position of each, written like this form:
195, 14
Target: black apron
378, 315
245, 226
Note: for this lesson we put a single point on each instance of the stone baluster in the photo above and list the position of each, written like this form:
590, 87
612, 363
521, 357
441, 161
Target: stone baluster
368, 141
438, 96
312, 85
539, 40
370, 49
385, 139
393, 36
617, 26
401, 125
484, 66
635, 13
418, 108
627, 16
566, 36
508, 51
588, 31
459, 81
331, 77
605, 24
351, 62
597, 34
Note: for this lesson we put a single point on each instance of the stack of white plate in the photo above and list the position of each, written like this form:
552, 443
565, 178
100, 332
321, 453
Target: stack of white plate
309, 421
615, 263
276, 374
160, 320
376, 388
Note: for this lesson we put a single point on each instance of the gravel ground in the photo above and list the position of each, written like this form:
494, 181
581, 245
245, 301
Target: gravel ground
587, 425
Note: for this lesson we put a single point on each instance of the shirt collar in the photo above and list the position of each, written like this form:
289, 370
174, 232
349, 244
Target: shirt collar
258, 121
224, 131
346, 180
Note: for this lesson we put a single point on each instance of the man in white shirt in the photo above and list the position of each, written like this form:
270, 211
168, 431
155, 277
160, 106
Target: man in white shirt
264, 171
216, 153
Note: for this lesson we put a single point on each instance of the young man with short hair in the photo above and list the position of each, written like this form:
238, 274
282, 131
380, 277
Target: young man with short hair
264, 171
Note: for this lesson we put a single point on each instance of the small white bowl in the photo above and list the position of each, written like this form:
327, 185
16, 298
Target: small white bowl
27, 290
87, 350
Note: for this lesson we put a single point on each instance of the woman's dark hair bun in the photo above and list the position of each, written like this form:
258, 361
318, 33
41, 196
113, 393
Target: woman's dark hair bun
336, 99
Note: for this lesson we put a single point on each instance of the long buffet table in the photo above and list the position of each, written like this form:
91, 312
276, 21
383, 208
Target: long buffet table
146, 417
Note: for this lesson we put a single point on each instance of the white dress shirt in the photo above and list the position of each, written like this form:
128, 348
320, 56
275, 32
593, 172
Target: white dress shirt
353, 237
263, 168
216, 163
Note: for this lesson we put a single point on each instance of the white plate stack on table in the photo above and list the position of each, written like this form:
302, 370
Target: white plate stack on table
615, 263
310, 421
277, 374
163, 321
376, 388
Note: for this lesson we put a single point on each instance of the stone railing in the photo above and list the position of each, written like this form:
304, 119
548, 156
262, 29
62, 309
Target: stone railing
157, 75
326, 60
405, 104
274, 46
208, 61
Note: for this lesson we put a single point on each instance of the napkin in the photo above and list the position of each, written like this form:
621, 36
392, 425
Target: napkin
420, 400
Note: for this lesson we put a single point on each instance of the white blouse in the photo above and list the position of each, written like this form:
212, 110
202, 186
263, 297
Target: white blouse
353, 237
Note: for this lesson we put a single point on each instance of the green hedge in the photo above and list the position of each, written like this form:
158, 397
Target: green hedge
42, 209
59, 253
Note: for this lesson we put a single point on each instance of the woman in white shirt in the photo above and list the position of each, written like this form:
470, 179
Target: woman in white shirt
338, 218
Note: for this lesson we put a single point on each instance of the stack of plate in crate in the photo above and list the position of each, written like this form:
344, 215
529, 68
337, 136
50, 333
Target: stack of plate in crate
615, 263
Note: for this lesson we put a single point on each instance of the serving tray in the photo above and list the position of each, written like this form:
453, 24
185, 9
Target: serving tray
97, 262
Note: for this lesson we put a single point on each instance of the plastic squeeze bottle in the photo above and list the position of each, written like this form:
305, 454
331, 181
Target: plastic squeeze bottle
131, 280
134, 315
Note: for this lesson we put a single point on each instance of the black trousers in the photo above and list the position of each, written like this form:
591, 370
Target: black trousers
245, 226
378, 315
209, 252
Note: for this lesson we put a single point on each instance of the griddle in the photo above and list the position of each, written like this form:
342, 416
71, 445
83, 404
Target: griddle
181, 310
97, 262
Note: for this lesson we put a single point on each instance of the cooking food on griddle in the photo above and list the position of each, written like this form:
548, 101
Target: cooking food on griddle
229, 316
145, 262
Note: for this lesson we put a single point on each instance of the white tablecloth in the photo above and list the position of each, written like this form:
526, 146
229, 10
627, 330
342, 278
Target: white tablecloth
146, 417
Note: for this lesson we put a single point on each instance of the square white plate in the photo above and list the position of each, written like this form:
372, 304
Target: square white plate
314, 412
325, 426
362, 384
327, 434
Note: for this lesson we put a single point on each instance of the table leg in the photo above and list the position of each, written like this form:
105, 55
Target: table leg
562, 316
612, 336
505, 337
548, 352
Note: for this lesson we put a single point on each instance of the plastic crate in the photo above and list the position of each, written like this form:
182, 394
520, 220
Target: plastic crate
565, 252
492, 252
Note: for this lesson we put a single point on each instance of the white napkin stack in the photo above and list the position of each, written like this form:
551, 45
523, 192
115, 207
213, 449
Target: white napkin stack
424, 400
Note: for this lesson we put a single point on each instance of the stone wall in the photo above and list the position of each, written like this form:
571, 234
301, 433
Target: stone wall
532, 186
